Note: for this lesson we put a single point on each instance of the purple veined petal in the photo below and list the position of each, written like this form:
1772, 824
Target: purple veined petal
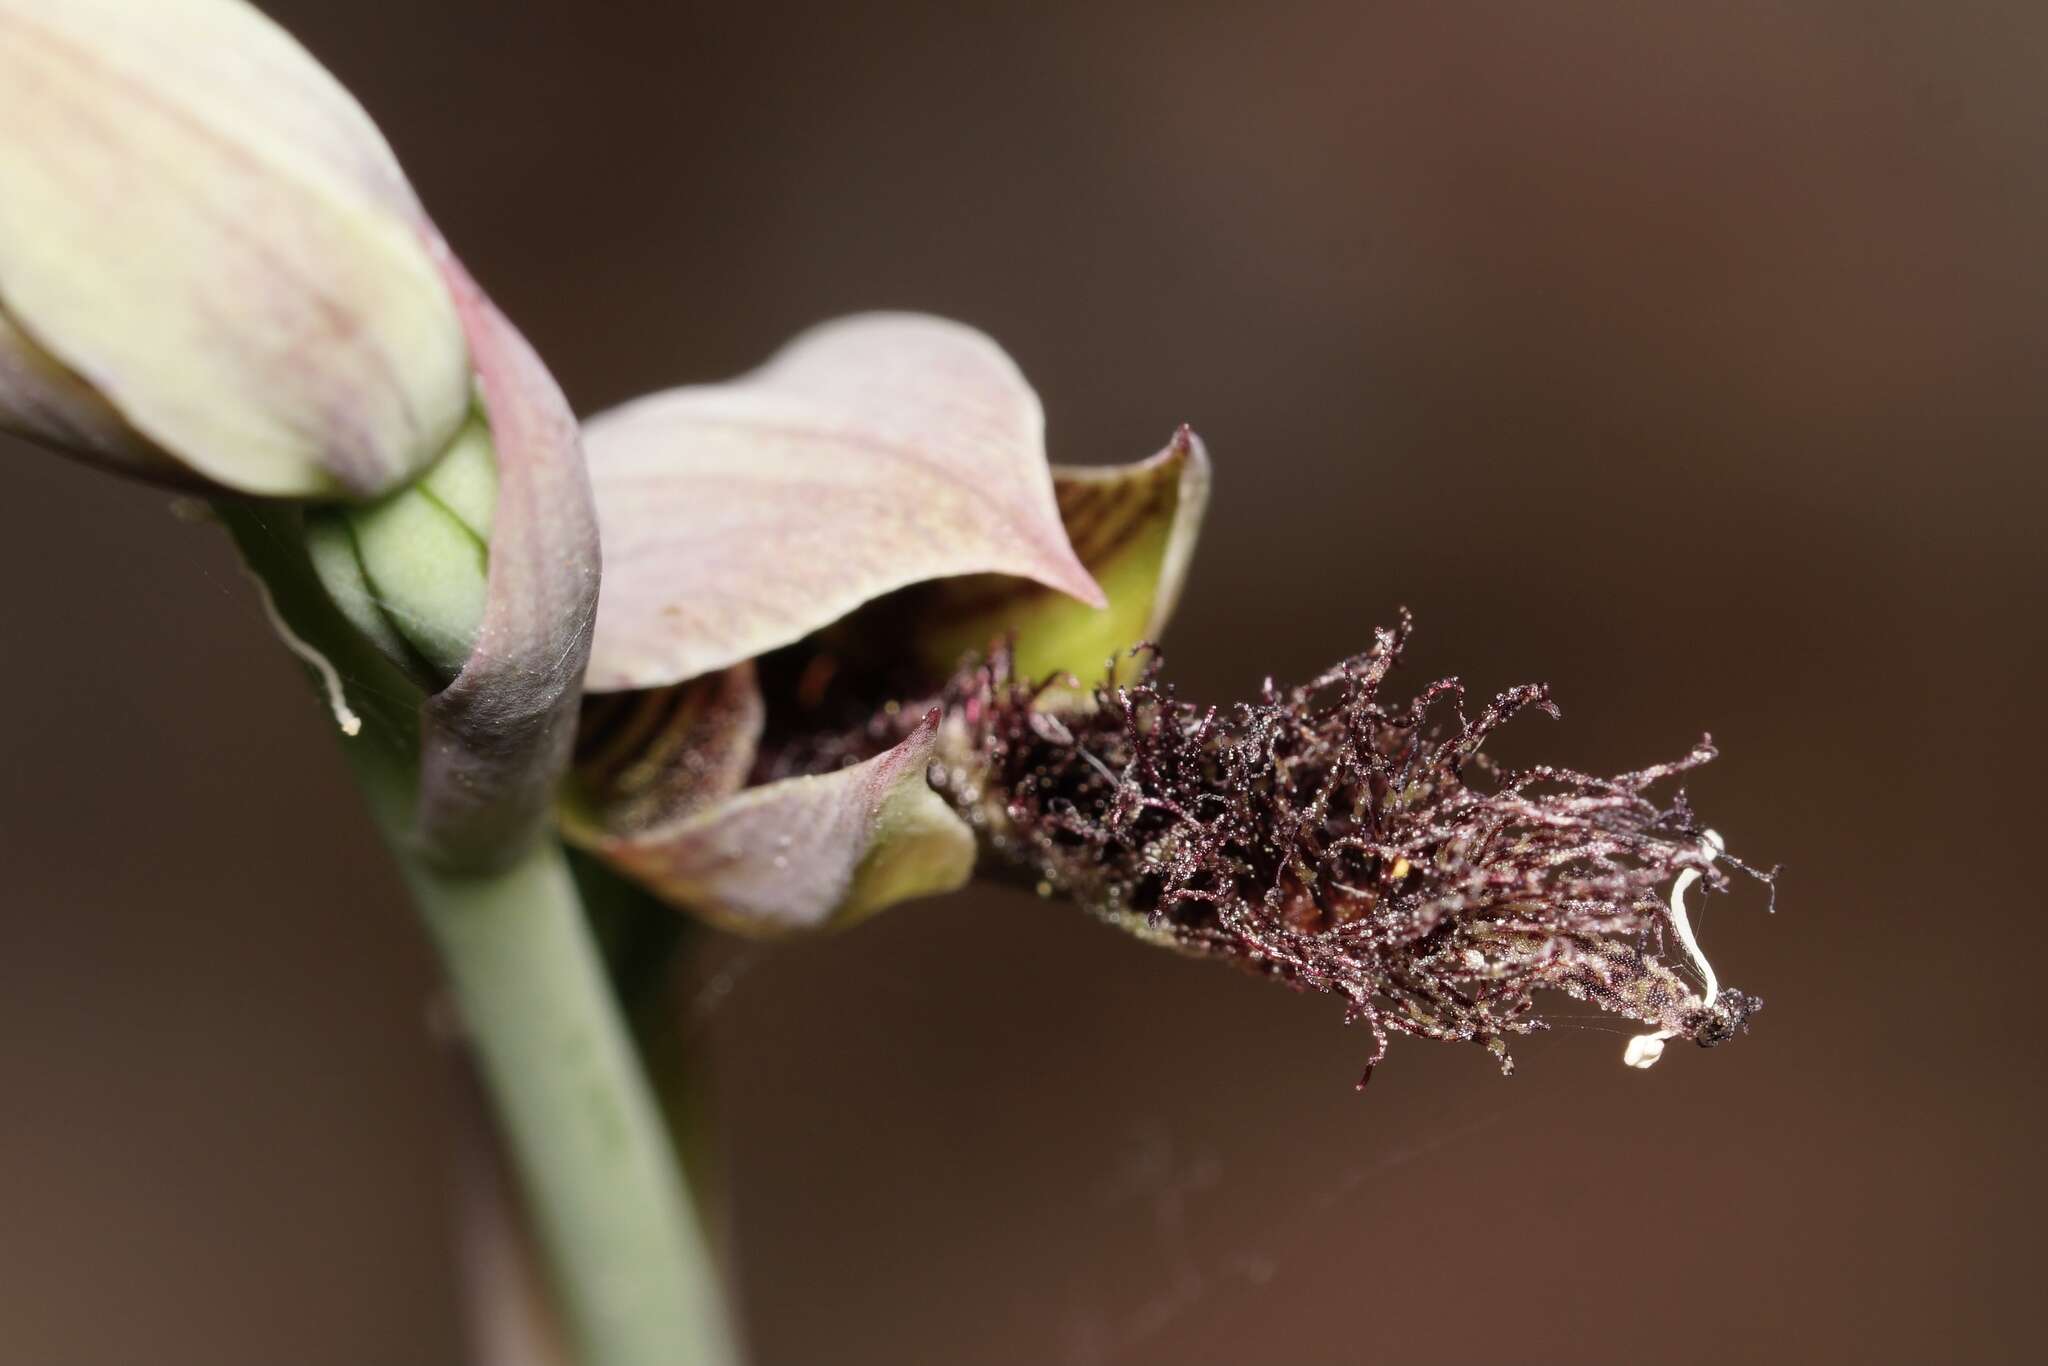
808, 853
495, 741
870, 453
1134, 526
647, 759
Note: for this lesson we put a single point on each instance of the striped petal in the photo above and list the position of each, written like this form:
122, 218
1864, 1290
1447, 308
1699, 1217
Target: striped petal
646, 760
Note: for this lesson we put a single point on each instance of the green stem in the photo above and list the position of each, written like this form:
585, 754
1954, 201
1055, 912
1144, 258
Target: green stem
617, 1224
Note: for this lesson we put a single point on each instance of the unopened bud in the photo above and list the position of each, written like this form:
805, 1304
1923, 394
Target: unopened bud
411, 570
212, 269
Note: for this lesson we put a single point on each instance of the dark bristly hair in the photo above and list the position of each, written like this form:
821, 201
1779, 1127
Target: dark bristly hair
1340, 844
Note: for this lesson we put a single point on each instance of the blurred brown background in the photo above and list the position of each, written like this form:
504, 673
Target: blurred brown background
1685, 356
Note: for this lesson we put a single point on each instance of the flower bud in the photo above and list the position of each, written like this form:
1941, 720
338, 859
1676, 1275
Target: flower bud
411, 570
211, 267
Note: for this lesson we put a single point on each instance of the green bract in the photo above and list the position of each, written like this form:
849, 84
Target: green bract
411, 570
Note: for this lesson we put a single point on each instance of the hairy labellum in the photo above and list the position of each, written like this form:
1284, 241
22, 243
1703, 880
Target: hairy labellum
1323, 837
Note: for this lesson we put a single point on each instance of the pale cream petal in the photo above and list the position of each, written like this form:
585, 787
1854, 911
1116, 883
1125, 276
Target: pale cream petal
45, 402
871, 453
199, 222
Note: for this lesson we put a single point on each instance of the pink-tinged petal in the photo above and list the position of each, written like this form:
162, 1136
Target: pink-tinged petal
808, 853
45, 402
1134, 526
201, 226
871, 453
495, 741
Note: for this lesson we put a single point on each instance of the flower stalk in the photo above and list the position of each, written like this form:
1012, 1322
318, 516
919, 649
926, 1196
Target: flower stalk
614, 1217
608, 1202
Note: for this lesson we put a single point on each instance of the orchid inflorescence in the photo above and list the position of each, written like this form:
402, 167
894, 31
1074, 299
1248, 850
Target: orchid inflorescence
792, 561
847, 648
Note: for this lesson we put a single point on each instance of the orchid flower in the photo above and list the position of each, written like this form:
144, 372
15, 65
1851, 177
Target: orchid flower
858, 639
853, 516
